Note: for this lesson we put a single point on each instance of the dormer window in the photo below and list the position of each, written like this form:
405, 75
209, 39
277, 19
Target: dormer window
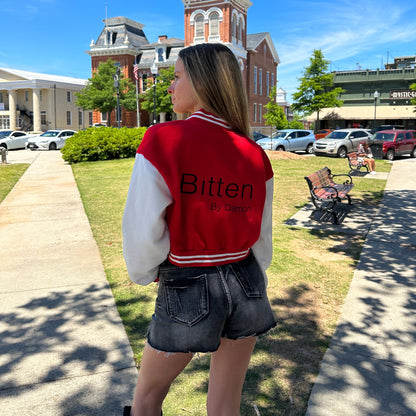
160, 54
111, 38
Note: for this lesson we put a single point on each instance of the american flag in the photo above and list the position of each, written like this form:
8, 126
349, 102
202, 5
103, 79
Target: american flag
136, 71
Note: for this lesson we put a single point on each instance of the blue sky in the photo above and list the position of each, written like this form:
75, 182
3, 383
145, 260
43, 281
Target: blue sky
51, 36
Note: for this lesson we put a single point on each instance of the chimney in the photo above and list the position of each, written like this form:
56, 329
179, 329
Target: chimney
162, 37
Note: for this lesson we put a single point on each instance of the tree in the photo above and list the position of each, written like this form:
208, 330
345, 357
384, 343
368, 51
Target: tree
275, 115
100, 93
163, 100
296, 123
413, 100
316, 90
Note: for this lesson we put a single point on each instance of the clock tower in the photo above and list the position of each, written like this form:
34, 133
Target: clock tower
209, 21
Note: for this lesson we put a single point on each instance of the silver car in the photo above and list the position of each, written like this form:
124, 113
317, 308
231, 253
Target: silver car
289, 140
341, 142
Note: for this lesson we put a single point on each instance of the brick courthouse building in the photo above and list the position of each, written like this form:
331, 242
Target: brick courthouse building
124, 41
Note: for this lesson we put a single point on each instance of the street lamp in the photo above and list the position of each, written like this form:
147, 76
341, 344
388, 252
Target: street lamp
116, 78
153, 70
376, 95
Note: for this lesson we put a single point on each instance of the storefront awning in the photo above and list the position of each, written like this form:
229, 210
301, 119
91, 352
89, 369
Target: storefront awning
366, 113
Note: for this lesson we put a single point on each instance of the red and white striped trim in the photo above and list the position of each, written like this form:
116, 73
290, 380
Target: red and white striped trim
208, 259
210, 118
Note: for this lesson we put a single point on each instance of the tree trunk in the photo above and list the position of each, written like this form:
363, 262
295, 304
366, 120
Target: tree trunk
317, 122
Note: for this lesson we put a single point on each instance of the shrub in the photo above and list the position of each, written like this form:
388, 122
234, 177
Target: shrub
102, 143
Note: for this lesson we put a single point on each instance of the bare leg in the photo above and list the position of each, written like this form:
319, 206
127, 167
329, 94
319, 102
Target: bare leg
227, 373
157, 371
370, 163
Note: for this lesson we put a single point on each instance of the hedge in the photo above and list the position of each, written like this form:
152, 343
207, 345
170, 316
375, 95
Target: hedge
102, 143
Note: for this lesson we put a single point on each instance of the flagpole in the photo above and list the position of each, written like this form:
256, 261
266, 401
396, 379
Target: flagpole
137, 94
137, 103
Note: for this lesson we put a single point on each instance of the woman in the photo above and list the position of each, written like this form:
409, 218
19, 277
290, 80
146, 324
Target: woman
366, 154
198, 218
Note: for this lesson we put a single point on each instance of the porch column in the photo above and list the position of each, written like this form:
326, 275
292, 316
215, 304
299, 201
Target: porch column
36, 110
52, 108
12, 109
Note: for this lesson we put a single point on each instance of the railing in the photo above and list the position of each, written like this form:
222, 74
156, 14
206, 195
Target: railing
378, 75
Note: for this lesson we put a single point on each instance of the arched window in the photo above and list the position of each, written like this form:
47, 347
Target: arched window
199, 26
240, 29
214, 24
234, 26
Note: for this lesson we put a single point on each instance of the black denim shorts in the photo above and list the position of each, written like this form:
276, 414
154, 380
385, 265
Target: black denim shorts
197, 306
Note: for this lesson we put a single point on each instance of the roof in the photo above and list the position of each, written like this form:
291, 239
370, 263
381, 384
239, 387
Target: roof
18, 79
147, 57
254, 40
17, 74
167, 42
119, 33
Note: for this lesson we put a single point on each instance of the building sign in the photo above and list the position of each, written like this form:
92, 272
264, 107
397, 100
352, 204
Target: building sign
402, 94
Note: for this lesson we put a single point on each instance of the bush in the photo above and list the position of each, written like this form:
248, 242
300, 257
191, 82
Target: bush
102, 143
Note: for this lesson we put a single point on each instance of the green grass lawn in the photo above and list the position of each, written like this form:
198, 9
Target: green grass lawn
308, 281
9, 175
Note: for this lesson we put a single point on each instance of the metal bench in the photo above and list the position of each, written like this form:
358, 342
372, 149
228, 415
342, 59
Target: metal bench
326, 193
356, 162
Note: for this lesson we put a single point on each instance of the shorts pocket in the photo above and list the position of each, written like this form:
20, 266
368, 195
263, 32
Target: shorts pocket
187, 299
250, 277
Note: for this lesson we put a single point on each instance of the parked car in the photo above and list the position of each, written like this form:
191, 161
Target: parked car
320, 134
391, 143
257, 136
289, 140
11, 139
341, 142
50, 140
386, 127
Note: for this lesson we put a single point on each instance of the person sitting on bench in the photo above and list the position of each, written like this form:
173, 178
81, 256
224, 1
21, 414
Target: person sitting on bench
365, 152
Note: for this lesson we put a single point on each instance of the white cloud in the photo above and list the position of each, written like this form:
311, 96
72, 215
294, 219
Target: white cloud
342, 30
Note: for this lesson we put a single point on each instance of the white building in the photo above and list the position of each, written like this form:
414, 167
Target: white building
36, 102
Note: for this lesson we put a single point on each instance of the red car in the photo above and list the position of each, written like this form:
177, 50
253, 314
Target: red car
322, 133
391, 143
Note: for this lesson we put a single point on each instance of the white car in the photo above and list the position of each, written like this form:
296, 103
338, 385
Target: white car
341, 142
50, 140
11, 139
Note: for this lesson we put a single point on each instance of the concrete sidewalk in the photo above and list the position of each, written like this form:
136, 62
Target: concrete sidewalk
370, 366
63, 348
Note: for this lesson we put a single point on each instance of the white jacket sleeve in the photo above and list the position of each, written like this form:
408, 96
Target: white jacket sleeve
145, 233
263, 248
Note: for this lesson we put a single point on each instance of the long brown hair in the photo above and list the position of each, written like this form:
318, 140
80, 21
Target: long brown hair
216, 79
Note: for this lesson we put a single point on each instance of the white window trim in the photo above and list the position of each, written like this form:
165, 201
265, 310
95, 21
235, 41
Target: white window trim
205, 14
260, 75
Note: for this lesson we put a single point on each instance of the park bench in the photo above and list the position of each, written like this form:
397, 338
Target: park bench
326, 193
356, 162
